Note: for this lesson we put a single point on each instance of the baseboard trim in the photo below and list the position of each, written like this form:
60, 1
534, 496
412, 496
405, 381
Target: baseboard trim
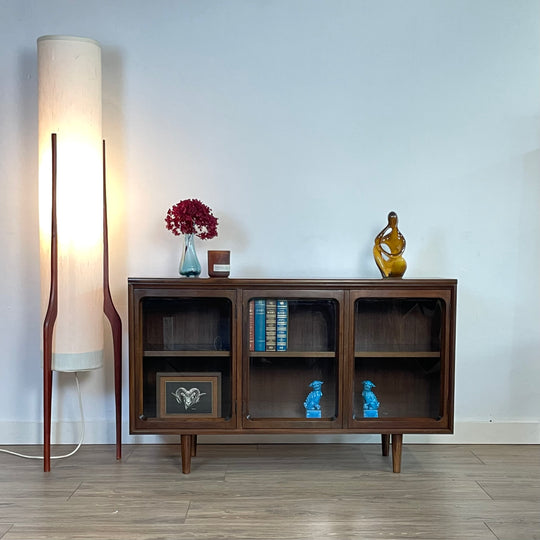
96, 432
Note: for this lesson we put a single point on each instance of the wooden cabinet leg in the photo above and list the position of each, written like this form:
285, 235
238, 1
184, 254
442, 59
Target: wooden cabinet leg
193, 445
185, 443
397, 442
385, 442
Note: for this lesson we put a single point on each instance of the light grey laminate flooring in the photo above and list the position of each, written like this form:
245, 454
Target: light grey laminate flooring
445, 492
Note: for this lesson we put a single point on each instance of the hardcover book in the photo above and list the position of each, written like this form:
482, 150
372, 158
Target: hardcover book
282, 325
260, 324
251, 325
270, 324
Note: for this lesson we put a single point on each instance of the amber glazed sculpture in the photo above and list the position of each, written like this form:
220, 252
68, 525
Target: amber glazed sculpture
388, 249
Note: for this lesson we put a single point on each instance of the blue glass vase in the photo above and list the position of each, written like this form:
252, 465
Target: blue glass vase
189, 265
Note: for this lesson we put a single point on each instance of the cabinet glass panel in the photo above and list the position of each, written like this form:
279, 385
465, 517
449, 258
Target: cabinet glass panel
186, 324
281, 368
278, 387
187, 345
397, 344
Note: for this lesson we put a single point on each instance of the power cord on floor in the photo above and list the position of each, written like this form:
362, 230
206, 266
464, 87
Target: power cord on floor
82, 432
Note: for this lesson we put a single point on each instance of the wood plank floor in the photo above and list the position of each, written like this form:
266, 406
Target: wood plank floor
445, 492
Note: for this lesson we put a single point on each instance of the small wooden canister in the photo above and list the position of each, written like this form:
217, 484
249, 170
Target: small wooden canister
219, 263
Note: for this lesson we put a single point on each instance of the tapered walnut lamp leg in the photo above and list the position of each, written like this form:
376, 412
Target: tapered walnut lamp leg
114, 320
397, 442
48, 323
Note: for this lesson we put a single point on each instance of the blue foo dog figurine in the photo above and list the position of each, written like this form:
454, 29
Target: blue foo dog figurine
313, 409
371, 404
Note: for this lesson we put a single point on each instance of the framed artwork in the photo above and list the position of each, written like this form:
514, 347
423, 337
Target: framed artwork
188, 395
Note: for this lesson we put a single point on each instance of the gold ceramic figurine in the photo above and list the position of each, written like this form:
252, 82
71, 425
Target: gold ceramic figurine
388, 249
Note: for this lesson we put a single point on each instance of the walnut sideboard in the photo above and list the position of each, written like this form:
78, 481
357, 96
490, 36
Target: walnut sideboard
194, 367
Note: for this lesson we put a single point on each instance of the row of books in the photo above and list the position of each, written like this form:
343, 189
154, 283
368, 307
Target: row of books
268, 324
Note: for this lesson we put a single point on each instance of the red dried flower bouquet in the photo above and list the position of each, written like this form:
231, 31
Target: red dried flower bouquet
191, 216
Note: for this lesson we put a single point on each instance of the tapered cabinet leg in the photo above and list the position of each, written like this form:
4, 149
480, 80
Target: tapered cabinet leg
397, 443
186, 444
193, 445
385, 443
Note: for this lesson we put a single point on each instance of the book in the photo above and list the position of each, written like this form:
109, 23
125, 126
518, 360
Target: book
270, 324
282, 325
260, 324
251, 325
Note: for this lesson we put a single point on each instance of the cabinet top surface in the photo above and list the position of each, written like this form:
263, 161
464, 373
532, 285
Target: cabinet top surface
224, 283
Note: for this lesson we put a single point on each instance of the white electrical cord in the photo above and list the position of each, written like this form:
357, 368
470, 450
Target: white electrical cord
82, 432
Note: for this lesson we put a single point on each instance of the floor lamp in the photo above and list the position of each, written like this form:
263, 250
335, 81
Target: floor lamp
73, 219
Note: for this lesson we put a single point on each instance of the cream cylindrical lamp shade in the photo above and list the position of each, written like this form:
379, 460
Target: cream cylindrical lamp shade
69, 103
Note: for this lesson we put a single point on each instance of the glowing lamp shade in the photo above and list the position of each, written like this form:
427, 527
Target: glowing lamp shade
69, 74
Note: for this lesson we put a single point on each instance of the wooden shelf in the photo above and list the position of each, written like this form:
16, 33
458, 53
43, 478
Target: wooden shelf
164, 354
397, 354
293, 354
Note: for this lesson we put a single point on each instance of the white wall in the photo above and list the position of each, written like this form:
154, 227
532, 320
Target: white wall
302, 123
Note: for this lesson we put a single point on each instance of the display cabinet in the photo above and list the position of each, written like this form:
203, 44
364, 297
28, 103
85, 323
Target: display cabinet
216, 356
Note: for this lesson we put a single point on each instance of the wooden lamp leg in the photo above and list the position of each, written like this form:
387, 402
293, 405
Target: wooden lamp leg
48, 324
47, 401
114, 320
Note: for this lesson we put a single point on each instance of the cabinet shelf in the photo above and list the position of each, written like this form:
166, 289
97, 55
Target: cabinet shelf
397, 354
286, 420
165, 354
293, 354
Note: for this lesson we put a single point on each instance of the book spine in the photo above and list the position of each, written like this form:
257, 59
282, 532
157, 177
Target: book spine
270, 324
282, 325
260, 324
251, 323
